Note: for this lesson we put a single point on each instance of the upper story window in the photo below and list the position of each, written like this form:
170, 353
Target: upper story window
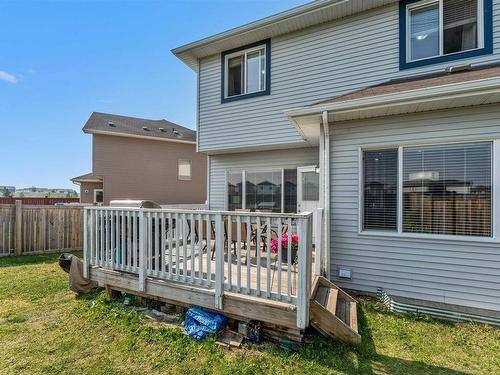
443, 30
246, 71
184, 169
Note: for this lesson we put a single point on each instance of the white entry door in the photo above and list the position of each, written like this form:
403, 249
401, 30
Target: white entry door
308, 192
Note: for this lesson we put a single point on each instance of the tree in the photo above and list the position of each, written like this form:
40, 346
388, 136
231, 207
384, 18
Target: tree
6, 193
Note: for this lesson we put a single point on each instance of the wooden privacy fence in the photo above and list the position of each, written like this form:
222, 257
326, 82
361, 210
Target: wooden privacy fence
39, 229
38, 200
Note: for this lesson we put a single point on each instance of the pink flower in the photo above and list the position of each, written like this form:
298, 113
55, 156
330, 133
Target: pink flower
274, 246
284, 243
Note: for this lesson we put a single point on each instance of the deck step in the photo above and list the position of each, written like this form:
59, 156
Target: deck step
333, 311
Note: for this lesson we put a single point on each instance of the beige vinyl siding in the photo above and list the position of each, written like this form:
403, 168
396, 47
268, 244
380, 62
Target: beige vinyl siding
308, 66
447, 271
219, 164
90, 187
135, 168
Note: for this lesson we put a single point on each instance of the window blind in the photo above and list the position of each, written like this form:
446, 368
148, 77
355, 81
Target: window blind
380, 171
447, 189
460, 25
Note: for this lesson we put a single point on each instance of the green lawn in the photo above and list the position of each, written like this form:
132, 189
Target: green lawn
45, 329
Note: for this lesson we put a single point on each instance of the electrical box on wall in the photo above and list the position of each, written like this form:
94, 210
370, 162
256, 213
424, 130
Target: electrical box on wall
344, 273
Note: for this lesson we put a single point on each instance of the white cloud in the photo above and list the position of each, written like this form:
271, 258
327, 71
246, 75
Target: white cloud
8, 77
31, 71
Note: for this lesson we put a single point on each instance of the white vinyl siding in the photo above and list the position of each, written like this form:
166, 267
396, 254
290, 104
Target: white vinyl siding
453, 270
308, 66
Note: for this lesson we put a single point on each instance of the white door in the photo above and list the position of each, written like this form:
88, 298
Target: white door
308, 192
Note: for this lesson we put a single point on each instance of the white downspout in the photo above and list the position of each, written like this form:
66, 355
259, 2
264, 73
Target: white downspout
326, 192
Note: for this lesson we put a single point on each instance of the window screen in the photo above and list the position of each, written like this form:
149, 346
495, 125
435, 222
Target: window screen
290, 177
447, 189
460, 25
235, 75
380, 171
310, 186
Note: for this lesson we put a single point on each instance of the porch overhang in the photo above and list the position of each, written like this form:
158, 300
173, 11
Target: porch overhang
308, 119
87, 178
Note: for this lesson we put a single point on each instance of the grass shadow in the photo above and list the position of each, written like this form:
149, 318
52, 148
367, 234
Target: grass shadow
364, 359
25, 260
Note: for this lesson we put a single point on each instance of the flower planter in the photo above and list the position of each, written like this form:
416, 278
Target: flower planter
284, 255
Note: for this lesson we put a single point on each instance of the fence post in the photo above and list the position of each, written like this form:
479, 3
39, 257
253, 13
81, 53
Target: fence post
219, 262
142, 251
318, 246
18, 249
304, 269
86, 247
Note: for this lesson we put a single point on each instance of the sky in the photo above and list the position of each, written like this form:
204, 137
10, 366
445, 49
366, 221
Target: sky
62, 60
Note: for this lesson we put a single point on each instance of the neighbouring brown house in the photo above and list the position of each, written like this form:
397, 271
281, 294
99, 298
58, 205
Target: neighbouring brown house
134, 158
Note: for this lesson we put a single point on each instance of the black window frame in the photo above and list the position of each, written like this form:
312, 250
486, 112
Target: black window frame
267, 91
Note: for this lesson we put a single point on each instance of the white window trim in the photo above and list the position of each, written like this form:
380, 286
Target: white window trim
495, 204
244, 53
185, 178
423, 3
95, 195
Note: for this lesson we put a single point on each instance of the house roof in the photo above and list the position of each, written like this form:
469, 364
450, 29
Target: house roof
88, 177
419, 82
105, 123
479, 85
298, 18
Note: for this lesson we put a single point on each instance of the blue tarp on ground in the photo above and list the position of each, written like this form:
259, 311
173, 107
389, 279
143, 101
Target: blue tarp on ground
200, 323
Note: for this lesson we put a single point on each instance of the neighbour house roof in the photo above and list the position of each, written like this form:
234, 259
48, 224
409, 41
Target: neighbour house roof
467, 86
298, 18
88, 177
105, 123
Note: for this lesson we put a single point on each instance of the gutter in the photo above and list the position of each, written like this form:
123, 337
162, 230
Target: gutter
103, 132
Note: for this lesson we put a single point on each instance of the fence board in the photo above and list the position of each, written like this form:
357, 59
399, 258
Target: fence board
41, 229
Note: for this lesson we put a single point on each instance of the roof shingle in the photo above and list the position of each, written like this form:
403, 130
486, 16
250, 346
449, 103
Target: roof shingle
415, 83
109, 123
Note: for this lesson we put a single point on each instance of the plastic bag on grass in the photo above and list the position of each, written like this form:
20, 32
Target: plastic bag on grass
200, 323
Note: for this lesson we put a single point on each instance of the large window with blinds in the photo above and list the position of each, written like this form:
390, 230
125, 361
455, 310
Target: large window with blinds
380, 186
434, 190
447, 189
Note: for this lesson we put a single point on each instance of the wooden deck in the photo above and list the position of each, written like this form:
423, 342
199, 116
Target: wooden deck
154, 253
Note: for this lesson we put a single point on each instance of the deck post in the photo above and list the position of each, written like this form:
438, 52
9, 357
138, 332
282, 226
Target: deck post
86, 247
142, 251
318, 246
304, 269
219, 262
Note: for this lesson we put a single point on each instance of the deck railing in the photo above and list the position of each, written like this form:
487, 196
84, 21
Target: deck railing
238, 252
